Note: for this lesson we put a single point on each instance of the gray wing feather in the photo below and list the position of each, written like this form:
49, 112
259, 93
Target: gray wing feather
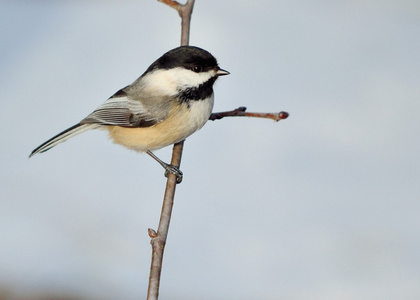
62, 137
125, 108
127, 112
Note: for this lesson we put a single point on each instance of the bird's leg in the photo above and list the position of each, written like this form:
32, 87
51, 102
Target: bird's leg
168, 168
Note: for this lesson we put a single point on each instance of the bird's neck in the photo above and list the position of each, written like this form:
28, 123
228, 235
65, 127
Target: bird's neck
196, 93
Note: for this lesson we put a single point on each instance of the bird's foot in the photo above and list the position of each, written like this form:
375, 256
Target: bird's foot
174, 170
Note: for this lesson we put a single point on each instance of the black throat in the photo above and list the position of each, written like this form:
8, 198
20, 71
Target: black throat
195, 93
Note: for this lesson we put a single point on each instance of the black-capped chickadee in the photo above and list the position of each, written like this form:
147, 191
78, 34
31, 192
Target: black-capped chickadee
165, 105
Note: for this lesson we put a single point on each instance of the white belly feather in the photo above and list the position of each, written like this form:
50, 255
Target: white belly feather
181, 123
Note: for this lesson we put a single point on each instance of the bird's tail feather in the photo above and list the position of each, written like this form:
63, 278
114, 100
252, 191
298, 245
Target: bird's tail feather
63, 136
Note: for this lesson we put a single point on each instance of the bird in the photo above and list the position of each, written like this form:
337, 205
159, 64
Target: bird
170, 101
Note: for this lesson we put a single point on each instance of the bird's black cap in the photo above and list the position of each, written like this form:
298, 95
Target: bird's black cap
186, 57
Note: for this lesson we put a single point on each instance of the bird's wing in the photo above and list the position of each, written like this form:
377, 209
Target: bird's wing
123, 110
62, 137
119, 110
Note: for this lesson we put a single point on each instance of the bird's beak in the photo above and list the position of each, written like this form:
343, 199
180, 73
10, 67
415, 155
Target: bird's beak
221, 72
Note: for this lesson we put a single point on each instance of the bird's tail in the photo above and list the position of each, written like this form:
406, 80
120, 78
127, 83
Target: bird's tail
62, 137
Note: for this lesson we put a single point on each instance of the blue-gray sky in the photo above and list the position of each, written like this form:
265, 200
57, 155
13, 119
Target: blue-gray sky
323, 205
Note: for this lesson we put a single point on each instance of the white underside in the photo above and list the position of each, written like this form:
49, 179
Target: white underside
181, 123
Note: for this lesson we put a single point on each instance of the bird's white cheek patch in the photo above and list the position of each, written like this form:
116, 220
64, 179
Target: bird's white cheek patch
185, 77
160, 82
169, 82
188, 78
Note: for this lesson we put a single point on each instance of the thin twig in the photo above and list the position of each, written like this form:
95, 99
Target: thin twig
185, 12
173, 4
240, 112
158, 239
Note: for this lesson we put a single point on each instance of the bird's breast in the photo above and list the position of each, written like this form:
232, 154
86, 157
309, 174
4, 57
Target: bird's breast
183, 120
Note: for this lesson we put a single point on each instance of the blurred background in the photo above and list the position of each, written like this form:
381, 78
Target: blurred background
323, 205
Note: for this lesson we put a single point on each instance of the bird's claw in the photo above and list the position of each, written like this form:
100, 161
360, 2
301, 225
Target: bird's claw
174, 170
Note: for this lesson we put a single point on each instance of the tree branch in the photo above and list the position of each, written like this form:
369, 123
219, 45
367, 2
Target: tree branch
158, 239
185, 12
240, 112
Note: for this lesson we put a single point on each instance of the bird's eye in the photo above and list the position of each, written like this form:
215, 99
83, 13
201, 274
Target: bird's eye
197, 69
